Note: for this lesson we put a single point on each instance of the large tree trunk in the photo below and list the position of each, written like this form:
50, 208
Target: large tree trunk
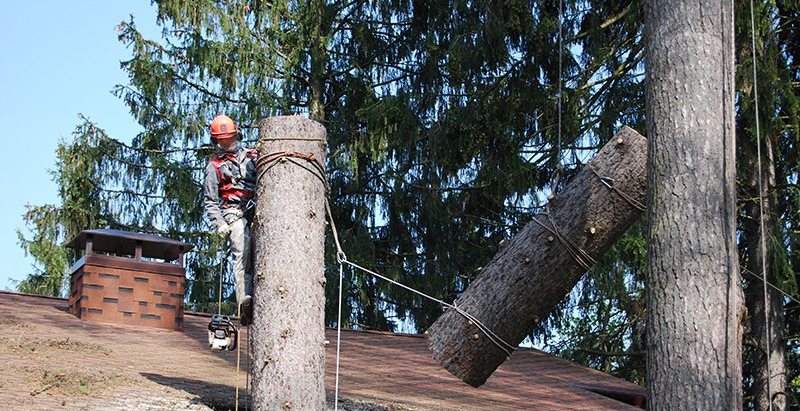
526, 279
288, 331
694, 296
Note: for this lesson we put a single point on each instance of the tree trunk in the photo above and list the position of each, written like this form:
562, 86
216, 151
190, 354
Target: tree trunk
288, 330
773, 365
527, 278
764, 306
319, 61
694, 296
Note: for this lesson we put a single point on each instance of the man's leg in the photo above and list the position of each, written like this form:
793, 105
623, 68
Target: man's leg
242, 268
240, 251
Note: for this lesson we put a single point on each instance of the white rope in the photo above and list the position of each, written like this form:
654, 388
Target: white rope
342, 259
763, 244
238, 341
773, 287
249, 368
238, 359
558, 172
577, 253
338, 337
506, 347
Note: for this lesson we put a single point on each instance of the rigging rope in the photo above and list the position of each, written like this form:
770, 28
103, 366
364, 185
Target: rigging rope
494, 338
609, 182
269, 161
238, 358
763, 235
727, 29
338, 338
774, 287
558, 172
342, 259
238, 339
560, 73
581, 256
247, 384
238, 336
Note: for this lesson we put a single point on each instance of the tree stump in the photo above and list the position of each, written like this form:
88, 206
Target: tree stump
288, 330
528, 277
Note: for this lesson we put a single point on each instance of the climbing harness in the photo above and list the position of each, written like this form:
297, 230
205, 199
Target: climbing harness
222, 333
231, 190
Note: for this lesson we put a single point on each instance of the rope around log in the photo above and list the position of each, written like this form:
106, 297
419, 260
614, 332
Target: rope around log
609, 182
269, 161
578, 254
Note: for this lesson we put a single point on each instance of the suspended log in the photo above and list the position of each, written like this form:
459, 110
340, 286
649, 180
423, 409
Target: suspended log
288, 330
528, 277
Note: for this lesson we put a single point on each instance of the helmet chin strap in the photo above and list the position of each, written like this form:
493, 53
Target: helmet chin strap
227, 144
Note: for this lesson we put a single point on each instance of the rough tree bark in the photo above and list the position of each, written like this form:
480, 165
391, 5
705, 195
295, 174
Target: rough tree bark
288, 330
765, 309
694, 296
769, 371
528, 277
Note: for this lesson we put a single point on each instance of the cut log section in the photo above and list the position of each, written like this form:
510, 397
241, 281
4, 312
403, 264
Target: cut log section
288, 330
538, 268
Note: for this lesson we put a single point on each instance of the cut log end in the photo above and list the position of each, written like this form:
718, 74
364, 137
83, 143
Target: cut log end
454, 364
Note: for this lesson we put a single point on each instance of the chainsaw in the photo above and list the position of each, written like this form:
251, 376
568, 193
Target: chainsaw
222, 334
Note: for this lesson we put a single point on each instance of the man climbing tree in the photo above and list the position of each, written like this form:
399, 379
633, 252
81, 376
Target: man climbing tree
228, 194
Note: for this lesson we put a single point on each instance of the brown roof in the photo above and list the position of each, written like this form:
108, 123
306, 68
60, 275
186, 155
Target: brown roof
50, 360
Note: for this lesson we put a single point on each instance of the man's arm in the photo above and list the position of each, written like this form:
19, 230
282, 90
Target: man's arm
211, 197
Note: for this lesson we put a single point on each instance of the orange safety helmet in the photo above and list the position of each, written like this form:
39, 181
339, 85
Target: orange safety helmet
222, 127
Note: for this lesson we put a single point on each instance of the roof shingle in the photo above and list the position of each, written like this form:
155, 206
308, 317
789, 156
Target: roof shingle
120, 367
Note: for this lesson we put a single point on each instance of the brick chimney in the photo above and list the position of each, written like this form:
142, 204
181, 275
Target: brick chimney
128, 278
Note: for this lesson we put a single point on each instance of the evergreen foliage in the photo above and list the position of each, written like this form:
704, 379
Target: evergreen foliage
447, 122
443, 123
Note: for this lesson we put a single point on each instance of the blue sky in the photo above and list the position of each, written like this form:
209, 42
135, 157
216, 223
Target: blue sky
60, 59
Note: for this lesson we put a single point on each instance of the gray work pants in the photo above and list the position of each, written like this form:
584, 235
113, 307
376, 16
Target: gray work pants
240, 251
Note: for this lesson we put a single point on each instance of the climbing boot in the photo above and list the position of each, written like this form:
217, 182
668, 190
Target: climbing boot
246, 311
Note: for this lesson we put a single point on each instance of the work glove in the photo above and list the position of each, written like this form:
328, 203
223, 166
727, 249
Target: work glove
224, 230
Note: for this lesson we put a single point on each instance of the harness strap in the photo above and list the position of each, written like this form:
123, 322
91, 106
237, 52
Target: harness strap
226, 187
